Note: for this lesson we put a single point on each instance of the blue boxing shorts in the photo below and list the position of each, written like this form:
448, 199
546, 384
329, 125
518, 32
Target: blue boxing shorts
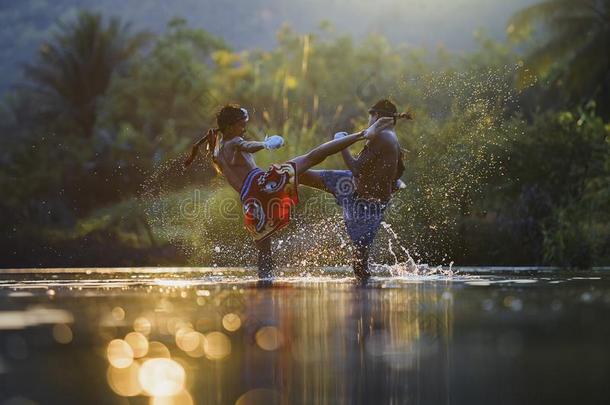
362, 217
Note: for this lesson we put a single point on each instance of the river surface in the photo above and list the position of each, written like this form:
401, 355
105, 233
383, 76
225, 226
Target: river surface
312, 336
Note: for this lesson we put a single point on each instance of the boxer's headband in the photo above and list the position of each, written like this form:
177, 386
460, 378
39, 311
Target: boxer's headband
245, 116
374, 110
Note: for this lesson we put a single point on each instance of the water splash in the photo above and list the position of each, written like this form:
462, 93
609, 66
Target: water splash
314, 239
456, 144
409, 267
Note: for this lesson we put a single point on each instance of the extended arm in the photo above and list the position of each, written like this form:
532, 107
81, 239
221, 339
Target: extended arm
248, 146
270, 142
350, 161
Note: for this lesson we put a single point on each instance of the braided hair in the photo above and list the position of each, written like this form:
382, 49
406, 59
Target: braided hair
227, 116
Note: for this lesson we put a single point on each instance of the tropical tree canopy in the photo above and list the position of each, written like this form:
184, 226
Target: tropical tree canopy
570, 50
74, 68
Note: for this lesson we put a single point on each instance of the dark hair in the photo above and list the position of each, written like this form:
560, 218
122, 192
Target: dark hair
229, 115
384, 107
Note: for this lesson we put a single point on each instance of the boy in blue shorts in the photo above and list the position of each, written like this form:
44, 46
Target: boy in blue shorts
364, 191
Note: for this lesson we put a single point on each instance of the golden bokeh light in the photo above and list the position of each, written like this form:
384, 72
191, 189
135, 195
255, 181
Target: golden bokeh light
217, 346
118, 313
158, 350
191, 342
120, 353
186, 340
62, 333
175, 324
138, 343
124, 381
268, 338
161, 377
183, 398
142, 325
231, 322
199, 351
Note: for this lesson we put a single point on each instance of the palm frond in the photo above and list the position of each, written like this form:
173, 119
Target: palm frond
544, 60
74, 69
523, 23
588, 68
573, 50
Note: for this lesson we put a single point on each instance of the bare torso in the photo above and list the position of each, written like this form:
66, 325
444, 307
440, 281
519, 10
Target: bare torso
378, 167
234, 162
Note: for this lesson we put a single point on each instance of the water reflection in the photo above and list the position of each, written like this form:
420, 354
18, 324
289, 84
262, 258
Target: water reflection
421, 340
287, 343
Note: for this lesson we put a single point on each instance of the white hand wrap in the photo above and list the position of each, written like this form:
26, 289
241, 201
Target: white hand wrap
273, 142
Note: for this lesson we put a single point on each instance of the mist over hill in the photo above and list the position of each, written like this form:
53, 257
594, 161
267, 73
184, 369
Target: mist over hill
254, 23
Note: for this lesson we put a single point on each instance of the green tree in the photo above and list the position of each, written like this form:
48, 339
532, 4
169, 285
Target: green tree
74, 68
570, 50
50, 156
159, 106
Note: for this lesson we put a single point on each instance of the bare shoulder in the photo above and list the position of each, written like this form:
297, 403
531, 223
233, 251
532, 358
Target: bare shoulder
234, 140
386, 140
231, 143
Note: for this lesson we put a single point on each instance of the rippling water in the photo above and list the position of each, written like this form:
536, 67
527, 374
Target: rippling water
312, 336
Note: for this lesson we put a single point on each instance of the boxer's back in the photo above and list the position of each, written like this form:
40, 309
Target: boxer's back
381, 167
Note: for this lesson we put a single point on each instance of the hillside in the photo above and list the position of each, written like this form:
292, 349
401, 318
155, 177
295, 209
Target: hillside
254, 23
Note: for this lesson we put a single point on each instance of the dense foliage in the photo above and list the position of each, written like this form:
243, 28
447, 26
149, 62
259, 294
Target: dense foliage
502, 168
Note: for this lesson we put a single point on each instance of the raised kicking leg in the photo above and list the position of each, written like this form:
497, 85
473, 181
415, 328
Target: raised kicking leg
321, 152
314, 179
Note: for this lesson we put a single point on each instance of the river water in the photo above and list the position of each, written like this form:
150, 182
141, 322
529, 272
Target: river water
312, 336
